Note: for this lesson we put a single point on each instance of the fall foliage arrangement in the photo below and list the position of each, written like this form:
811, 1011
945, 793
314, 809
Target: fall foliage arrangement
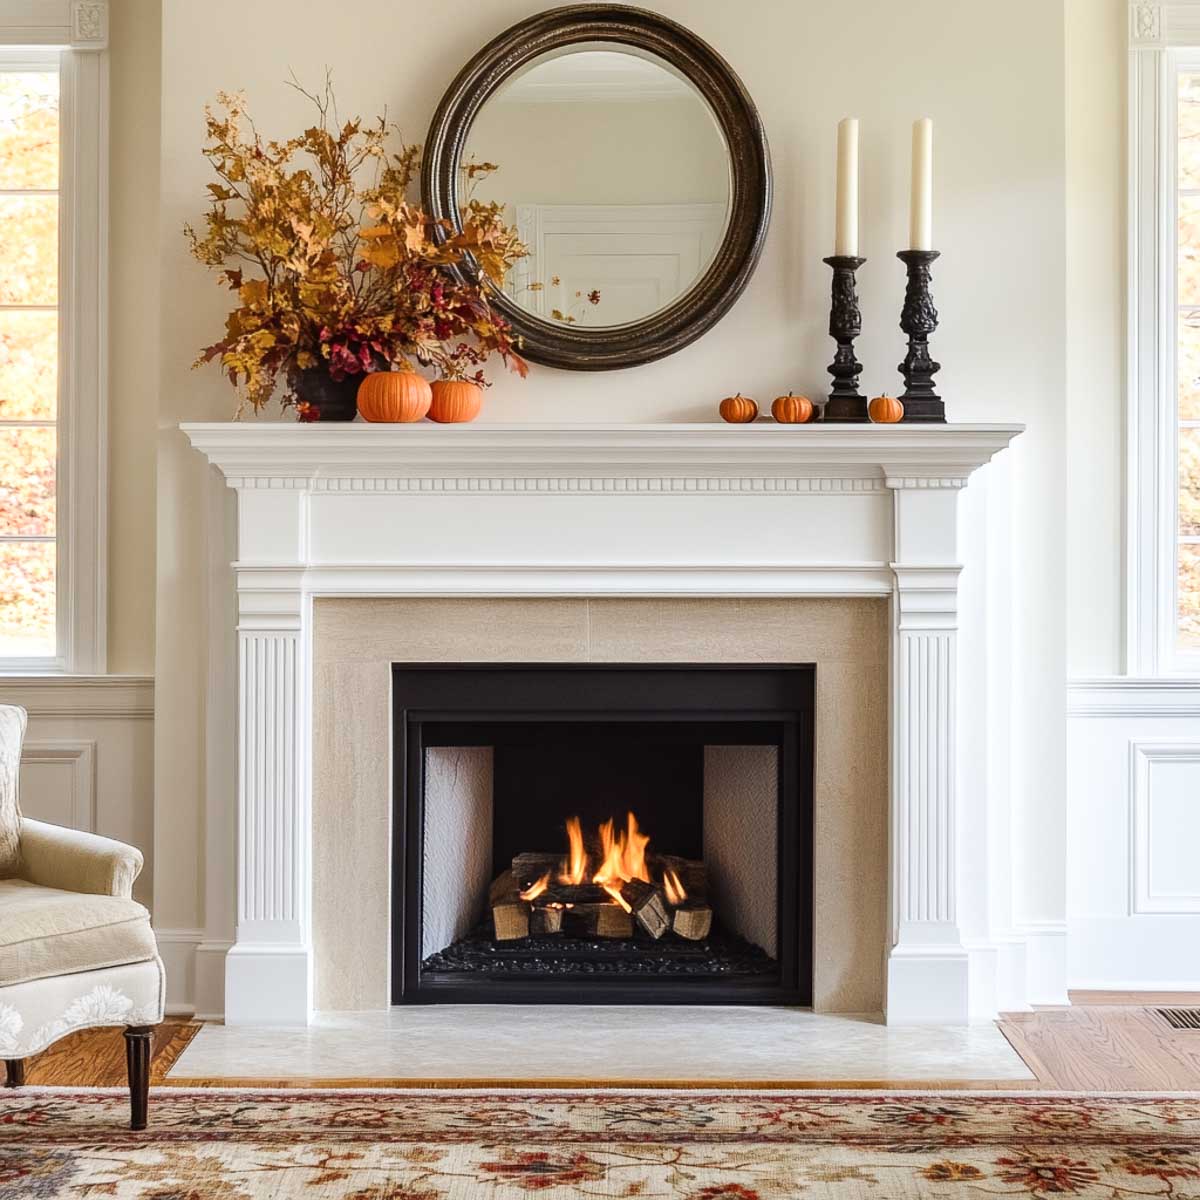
337, 271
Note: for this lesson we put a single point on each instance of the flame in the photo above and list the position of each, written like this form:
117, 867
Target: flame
615, 893
575, 865
676, 892
534, 890
624, 855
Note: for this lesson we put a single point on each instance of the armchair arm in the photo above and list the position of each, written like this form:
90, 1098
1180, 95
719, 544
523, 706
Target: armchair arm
77, 862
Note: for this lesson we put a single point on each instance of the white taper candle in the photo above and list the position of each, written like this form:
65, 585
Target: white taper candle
921, 213
845, 240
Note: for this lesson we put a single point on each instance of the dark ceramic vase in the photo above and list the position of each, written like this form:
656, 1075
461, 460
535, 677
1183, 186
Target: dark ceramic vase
334, 400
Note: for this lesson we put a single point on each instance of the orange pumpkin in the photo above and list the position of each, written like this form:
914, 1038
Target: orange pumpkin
393, 396
739, 409
885, 410
455, 400
792, 410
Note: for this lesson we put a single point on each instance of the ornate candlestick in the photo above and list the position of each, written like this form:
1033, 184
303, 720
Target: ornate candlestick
919, 319
846, 402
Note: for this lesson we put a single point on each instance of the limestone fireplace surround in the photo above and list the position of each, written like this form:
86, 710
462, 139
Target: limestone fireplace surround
831, 544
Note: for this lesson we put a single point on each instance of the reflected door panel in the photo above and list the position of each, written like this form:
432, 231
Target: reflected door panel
612, 264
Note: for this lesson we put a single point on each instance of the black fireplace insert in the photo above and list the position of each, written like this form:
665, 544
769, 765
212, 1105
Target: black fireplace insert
602, 834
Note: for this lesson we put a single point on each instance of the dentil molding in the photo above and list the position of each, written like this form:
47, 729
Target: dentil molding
595, 459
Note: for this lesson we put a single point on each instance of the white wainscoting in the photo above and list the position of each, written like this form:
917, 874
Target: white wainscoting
1133, 849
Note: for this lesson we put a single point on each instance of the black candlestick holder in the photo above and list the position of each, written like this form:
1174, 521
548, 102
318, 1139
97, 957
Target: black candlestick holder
919, 319
846, 402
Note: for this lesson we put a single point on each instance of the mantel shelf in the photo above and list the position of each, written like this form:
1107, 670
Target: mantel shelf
264, 450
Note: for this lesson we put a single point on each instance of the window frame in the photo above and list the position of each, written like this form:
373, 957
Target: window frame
74, 34
1164, 42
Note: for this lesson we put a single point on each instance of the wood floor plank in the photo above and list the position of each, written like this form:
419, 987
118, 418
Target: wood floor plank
1105, 1048
96, 1057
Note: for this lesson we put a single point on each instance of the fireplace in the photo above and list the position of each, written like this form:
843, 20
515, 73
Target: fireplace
583, 833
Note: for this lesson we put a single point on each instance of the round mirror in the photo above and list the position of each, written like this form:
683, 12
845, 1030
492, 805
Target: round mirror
613, 169
634, 167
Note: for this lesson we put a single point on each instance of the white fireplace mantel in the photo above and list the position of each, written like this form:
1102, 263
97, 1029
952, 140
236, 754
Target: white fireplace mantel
587, 510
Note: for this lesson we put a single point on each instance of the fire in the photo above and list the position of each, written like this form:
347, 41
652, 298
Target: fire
534, 890
575, 865
622, 860
624, 856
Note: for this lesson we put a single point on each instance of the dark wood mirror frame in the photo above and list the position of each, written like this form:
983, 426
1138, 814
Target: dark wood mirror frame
573, 347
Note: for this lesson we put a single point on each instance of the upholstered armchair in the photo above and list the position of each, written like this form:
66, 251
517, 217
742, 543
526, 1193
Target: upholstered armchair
76, 951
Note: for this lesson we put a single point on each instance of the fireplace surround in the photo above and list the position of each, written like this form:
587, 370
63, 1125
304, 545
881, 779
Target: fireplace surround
606, 515
494, 763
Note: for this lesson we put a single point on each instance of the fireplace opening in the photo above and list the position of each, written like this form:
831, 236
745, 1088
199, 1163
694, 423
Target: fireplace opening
602, 834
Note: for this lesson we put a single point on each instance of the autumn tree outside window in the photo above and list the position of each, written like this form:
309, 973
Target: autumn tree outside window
29, 325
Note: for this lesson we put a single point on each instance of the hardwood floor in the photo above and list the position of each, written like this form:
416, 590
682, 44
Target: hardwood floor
96, 1057
1095, 1045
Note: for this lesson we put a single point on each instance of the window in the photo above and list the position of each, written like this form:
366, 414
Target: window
53, 294
29, 322
1163, 481
1187, 416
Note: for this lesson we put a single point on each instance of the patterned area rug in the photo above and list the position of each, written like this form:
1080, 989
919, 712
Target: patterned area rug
498, 1145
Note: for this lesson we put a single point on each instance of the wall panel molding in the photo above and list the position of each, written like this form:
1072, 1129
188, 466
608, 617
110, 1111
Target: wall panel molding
1131, 696
81, 696
79, 804
1148, 758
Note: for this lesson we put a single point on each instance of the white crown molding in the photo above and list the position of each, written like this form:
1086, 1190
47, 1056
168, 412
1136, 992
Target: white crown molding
80, 695
596, 459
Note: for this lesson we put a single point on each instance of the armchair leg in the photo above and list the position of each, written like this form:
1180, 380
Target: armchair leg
137, 1059
14, 1072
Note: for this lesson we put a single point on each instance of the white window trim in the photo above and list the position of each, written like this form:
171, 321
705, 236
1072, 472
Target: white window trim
77, 30
1163, 38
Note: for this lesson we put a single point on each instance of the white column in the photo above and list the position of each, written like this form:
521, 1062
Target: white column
268, 974
927, 966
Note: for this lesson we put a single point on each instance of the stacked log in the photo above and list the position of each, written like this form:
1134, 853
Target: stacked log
649, 907
587, 910
693, 920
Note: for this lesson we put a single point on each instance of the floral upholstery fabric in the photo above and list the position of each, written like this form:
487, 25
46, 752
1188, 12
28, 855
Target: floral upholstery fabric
46, 931
35, 1014
12, 734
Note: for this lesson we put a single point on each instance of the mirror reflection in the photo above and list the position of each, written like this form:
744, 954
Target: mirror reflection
615, 172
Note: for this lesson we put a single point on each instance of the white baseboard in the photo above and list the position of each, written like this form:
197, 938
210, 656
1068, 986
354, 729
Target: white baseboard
1045, 961
195, 966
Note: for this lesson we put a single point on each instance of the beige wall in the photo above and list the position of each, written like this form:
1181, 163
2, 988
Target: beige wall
135, 90
1096, 189
595, 153
991, 76
355, 642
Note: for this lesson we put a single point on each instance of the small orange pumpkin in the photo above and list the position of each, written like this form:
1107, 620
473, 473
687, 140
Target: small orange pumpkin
739, 409
885, 410
792, 410
393, 396
455, 400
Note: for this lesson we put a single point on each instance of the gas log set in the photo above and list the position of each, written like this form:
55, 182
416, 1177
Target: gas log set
607, 887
